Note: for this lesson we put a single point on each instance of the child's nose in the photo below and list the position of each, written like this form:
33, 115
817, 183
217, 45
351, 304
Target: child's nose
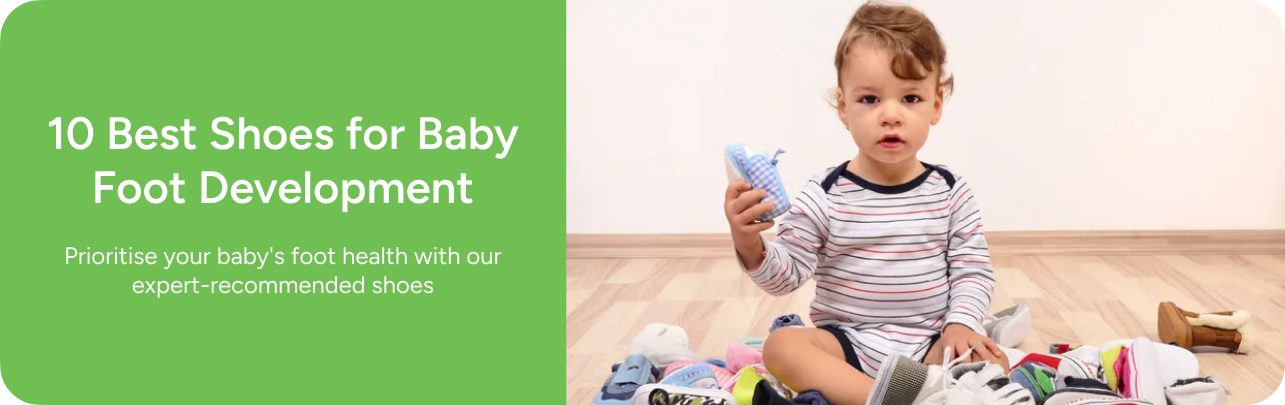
891, 115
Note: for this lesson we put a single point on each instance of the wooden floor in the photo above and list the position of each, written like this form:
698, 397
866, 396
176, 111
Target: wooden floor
1075, 299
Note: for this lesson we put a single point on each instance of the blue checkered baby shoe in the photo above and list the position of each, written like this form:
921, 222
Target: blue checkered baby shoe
761, 173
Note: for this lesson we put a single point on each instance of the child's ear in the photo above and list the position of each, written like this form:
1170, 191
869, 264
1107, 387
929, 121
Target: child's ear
937, 103
839, 104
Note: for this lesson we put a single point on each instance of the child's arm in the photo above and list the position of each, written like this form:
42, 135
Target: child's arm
783, 265
968, 262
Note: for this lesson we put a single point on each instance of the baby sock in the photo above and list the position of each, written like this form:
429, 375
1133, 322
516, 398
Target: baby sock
787, 320
739, 355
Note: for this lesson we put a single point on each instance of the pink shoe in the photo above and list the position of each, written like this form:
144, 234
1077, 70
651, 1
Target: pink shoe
740, 355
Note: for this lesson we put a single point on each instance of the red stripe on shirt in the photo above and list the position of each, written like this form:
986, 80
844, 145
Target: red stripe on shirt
903, 333
960, 198
983, 286
882, 292
882, 251
884, 213
792, 235
786, 270
872, 367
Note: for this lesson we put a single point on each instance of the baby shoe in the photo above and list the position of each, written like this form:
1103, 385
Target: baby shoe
1009, 327
903, 381
1061, 366
1036, 377
696, 375
748, 382
661, 394
760, 171
1084, 390
1197, 391
1138, 372
625, 380
1176, 363
720, 373
1186, 329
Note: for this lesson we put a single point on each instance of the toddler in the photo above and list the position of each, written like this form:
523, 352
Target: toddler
895, 245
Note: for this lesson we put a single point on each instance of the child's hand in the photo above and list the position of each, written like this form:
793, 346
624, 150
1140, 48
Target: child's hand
960, 338
742, 207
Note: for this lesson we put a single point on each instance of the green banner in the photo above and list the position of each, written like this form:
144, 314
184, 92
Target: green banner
282, 202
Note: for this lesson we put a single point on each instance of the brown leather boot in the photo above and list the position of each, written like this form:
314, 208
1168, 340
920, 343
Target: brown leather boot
1188, 329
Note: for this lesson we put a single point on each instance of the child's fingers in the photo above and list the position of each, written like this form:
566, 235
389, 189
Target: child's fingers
762, 226
994, 347
985, 353
747, 200
731, 192
754, 212
735, 188
961, 348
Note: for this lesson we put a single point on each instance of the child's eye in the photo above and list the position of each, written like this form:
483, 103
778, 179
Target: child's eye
913, 99
868, 100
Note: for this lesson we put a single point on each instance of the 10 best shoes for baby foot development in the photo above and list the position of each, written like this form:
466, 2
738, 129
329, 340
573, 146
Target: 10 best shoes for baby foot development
760, 171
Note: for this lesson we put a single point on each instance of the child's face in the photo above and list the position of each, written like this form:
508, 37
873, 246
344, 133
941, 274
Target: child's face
888, 117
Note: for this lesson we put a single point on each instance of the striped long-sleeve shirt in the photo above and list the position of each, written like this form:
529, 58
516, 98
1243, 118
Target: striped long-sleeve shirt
893, 265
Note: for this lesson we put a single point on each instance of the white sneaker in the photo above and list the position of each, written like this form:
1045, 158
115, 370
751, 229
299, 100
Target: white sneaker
1009, 327
903, 381
986, 383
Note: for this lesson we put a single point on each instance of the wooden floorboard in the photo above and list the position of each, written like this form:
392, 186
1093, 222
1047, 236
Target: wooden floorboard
1076, 298
1015, 243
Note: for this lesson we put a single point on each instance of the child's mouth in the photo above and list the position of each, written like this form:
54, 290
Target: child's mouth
891, 141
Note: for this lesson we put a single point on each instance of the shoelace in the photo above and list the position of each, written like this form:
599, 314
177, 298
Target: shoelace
947, 378
779, 151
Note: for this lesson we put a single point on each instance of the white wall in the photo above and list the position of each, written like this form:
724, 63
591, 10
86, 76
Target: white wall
1099, 115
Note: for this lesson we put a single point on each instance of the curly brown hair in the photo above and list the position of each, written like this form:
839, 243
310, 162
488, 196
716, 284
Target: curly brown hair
906, 33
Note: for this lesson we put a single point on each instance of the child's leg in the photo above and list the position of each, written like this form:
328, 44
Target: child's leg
813, 359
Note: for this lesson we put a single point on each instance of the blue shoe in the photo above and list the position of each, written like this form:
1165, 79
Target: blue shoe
761, 173
695, 375
625, 380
